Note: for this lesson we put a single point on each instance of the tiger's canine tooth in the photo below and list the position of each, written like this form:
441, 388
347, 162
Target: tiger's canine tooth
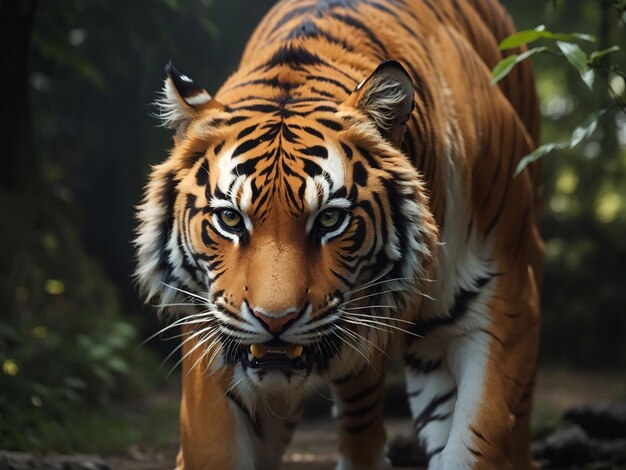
296, 352
257, 351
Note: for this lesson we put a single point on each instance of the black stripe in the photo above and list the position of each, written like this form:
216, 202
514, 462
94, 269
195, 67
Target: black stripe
361, 411
348, 378
290, 15
359, 175
371, 161
478, 434
427, 413
293, 55
462, 300
431, 453
334, 125
202, 175
357, 24
363, 393
248, 130
332, 81
414, 393
244, 147
308, 29
315, 151
475, 452
360, 427
313, 132
419, 365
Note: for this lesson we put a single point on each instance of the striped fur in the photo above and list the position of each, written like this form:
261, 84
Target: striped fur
435, 254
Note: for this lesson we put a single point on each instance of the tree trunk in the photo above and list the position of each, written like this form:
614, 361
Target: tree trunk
20, 167
20, 176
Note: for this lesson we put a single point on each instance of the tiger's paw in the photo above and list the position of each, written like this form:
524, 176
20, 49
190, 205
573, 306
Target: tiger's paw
456, 460
449, 461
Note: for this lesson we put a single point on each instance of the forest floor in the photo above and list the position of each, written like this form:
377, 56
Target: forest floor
313, 446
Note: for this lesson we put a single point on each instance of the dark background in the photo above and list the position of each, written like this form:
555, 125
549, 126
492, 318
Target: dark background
77, 82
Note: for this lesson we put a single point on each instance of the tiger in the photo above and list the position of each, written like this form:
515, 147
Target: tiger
348, 196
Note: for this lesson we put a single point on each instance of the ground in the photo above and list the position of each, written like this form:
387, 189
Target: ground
313, 447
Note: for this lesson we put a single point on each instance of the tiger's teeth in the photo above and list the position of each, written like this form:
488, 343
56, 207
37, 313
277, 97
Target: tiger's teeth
257, 351
296, 352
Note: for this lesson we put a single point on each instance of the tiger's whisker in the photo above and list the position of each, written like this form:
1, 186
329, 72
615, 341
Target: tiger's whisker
353, 347
186, 292
179, 322
191, 337
360, 336
370, 323
364, 307
381, 317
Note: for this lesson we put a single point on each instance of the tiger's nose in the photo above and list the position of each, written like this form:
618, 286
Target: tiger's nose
275, 323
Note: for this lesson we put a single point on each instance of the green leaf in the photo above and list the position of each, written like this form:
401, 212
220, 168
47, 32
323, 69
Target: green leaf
503, 67
538, 153
580, 133
577, 57
74, 382
523, 37
569, 37
540, 32
118, 365
596, 55
585, 37
584, 130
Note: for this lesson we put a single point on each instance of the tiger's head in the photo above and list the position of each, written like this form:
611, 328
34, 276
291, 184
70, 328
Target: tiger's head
287, 229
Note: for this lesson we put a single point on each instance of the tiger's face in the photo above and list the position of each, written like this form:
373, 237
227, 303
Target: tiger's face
300, 234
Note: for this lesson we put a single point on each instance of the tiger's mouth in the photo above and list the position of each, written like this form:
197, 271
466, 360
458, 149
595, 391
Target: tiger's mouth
278, 355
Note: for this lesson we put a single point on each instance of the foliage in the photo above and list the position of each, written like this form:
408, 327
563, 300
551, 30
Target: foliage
65, 348
582, 132
585, 64
584, 222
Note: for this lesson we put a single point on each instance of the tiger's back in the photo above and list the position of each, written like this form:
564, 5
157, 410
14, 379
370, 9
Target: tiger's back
357, 35
337, 206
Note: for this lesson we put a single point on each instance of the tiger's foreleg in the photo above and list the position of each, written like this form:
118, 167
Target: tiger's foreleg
207, 424
225, 425
431, 392
494, 366
359, 412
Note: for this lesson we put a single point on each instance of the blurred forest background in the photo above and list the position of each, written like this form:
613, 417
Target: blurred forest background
78, 79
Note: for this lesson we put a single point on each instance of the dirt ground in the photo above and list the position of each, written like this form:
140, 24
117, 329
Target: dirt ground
313, 446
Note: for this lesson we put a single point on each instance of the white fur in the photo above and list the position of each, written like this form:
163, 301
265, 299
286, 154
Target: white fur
461, 346
198, 100
383, 98
272, 410
174, 111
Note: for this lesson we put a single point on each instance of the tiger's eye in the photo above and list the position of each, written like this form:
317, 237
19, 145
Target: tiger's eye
329, 218
230, 218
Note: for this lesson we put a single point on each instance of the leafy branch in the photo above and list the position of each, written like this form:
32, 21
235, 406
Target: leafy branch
588, 66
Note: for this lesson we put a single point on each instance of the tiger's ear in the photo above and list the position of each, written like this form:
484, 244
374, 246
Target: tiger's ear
387, 97
181, 101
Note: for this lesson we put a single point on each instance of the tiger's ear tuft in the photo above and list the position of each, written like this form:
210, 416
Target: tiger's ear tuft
181, 101
387, 97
